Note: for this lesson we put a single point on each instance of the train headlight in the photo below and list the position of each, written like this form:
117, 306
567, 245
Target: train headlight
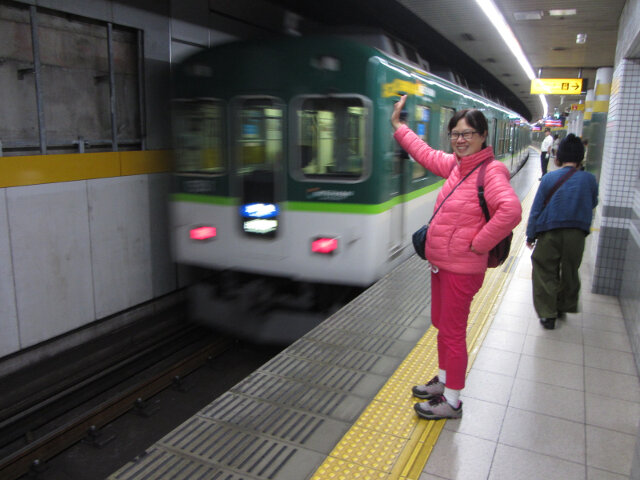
203, 233
324, 245
260, 226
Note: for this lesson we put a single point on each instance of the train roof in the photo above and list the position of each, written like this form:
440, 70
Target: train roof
286, 58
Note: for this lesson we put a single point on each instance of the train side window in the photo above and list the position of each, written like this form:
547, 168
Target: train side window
500, 142
505, 146
198, 136
492, 133
423, 117
446, 114
330, 137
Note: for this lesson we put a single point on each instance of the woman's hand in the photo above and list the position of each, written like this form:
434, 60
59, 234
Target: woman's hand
397, 108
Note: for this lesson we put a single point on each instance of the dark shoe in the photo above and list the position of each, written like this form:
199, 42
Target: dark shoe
431, 389
437, 409
548, 323
562, 315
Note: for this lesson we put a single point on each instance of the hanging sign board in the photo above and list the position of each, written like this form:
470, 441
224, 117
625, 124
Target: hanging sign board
556, 86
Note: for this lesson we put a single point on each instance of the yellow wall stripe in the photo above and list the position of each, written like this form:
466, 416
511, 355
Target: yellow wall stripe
156, 161
601, 106
37, 169
603, 89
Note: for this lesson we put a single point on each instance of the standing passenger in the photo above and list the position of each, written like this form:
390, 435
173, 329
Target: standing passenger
554, 149
560, 220
458, 241
545, 151
585, 143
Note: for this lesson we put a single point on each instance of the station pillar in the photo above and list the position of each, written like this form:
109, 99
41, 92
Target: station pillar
619, 170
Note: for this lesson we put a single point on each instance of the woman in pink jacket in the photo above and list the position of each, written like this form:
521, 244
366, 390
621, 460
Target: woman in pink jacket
458, 241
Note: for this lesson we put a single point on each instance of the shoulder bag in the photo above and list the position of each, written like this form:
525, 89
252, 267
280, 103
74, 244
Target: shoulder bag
499, 253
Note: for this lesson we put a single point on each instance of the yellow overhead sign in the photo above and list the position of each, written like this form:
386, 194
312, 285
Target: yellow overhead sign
556, 86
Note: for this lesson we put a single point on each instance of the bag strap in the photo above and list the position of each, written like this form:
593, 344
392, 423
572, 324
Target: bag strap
452, 190
558, 184
480, 184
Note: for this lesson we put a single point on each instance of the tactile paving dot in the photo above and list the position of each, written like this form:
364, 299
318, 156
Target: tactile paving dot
416, 368
336, 469
373, 450
384, 418
396, 393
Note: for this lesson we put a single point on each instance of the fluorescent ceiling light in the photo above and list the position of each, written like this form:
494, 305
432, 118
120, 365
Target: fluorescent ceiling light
503, 28
562, 13
533, 15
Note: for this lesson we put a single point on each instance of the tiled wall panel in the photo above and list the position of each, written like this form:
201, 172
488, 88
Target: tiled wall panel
619, 181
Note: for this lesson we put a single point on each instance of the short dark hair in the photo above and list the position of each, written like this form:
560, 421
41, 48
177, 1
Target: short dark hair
547, 130
475, 118
571, 149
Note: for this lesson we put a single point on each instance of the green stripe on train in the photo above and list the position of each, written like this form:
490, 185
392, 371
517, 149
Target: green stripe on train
315, 206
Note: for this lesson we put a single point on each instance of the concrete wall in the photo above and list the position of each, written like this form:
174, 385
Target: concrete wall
74, 252
77, 256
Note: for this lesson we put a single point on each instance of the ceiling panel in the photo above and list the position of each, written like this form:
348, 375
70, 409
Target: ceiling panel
469, 37
549, 43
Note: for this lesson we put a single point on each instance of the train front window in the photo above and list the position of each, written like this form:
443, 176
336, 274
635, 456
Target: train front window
198, 136
331, 137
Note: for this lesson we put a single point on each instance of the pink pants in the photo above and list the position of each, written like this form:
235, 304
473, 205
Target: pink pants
451, 296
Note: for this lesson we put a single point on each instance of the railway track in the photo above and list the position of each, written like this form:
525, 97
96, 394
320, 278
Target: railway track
52, 406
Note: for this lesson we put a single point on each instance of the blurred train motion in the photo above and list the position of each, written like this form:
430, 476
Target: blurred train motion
286, 169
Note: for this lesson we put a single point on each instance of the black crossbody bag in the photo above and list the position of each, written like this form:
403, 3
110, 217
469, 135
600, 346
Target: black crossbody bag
499, 253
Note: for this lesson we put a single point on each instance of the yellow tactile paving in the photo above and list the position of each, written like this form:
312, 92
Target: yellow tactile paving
335, 469
388, 441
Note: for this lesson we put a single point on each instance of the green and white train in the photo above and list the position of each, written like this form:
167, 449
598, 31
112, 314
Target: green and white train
285, 164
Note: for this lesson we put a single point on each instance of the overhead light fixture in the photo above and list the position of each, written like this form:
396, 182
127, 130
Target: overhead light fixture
500, 24
532, 15
581, 38
562, 12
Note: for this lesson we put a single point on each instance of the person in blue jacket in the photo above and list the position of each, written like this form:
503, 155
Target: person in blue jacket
559, 221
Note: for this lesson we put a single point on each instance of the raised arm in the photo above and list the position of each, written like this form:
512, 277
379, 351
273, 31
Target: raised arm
397, 108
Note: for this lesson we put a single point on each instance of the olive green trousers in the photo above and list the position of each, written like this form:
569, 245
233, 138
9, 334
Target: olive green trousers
556, 259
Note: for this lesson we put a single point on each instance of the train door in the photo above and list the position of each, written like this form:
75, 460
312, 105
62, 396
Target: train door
405, 171
257, 139
396, 187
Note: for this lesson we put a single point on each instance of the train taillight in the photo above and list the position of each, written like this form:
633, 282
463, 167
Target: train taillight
202, 233
324, 245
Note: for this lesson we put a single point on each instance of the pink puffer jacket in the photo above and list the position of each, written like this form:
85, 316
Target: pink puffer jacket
460, 222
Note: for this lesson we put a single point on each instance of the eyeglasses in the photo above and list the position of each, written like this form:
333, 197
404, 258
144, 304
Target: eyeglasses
467, 135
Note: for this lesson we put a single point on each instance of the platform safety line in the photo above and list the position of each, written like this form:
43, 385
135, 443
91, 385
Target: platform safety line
388, 441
